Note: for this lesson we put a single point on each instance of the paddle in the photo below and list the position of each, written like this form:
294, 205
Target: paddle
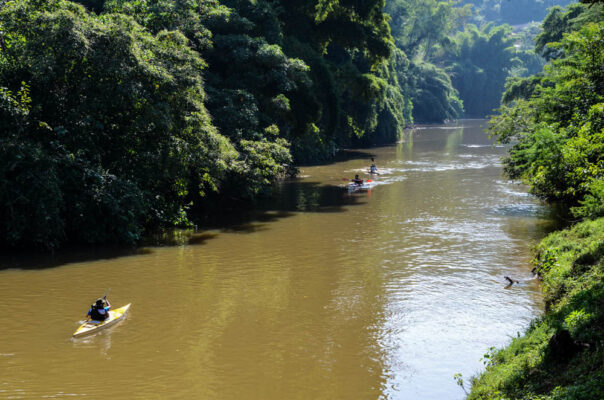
105, 298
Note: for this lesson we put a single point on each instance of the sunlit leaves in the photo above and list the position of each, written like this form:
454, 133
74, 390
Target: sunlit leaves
559, 128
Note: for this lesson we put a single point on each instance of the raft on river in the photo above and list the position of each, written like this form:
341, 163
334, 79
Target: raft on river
90, 327
355, 187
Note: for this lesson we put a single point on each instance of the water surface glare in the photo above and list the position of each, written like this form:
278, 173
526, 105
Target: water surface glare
325, 294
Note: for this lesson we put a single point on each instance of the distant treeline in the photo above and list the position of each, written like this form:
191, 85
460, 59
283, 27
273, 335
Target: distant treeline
555, 123
118, 116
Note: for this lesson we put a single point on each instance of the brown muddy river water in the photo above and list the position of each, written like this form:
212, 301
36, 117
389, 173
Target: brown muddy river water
324, 295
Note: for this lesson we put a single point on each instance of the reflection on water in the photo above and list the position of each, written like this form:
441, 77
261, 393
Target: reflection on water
319, 294
100, 341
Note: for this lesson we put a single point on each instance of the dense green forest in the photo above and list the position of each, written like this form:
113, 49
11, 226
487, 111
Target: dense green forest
124, 116
555, 123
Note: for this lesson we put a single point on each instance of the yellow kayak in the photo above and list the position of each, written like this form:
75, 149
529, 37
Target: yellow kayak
90, 327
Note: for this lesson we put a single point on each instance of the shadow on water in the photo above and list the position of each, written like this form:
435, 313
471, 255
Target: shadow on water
343, 156
69, 255
297, 196
290, 197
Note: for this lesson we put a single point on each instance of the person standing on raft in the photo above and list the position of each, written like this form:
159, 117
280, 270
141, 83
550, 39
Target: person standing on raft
373, 169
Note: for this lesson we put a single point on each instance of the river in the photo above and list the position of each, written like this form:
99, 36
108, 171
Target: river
322, 294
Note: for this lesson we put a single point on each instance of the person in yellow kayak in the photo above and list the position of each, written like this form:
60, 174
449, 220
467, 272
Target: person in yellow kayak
99, 311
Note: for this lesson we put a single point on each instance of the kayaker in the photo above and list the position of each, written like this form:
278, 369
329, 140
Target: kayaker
357, 180
99, 311
373, 169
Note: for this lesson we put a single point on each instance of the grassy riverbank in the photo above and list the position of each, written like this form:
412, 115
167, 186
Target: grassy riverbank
561, 356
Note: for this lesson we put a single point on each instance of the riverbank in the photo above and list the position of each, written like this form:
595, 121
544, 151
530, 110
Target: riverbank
561, 356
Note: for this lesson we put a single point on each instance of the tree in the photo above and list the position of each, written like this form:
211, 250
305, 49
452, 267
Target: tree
559, 130
422, 30
115, 123
481, 61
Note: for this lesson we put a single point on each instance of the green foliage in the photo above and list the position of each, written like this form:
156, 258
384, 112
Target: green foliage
105, 106
518, 88
307, 68
422, 30
264, 161
561, 356
434, 98
251, 83
592, 206
457, 68
558, 131
93, 5
29, 192
343, 24
560, 21
591, 2
116, 126
423, 27
530, 62
356, 95
481, 62
136, 114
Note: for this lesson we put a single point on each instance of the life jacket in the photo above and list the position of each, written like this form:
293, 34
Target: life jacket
98, 314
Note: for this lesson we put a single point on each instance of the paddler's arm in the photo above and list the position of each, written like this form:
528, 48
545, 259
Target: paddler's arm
108, 304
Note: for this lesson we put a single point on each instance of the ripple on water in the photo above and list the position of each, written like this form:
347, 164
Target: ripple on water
462, 164
478, 146
519, 210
